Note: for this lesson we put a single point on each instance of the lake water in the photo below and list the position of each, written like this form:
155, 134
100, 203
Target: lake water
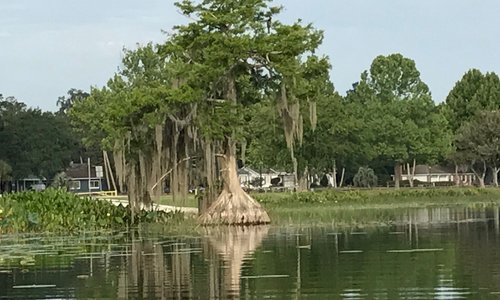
425, 253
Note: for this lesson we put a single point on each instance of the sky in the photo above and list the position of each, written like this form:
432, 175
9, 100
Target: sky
50, 46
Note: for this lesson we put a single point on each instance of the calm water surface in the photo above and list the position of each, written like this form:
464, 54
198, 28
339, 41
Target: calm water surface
432, 253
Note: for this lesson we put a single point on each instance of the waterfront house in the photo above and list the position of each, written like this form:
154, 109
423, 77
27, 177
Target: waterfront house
435, 174
83, 179
270, 178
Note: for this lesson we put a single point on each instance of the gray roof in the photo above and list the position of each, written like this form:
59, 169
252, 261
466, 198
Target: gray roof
425, 169
264, 171
80, 171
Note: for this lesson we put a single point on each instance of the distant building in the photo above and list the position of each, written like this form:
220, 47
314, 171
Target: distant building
249, 178
31, 182
81, 181
434, 174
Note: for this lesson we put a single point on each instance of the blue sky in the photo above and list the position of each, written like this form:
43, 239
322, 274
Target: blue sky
50, 46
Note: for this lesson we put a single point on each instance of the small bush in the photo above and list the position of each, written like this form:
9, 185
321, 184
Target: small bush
365, 178
60, 181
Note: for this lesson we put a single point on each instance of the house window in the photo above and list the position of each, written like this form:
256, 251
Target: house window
74, 185
95, 184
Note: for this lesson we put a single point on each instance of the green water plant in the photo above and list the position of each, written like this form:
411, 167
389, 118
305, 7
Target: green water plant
364, 197
56, 210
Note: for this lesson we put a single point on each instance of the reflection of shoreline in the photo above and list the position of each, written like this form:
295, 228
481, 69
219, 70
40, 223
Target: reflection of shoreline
448, 215
443, 247
155, 270
232, 244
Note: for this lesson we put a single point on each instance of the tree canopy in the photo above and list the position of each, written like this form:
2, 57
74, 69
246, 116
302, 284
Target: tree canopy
478, 144
473, 93
199, 85
34, 142
401, 121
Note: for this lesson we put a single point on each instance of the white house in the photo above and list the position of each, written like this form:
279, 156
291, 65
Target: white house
433, 174
248, 175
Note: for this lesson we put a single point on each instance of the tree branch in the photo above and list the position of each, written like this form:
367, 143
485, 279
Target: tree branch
170, 171
184, 122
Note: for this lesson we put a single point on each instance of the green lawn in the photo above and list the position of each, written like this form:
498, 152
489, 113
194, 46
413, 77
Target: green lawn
168, 200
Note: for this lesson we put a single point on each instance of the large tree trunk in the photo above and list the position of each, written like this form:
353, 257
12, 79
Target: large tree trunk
481, 173
410, 177
457, 178
495, 176
304, 181
481, 181
397, 174
342, 178
233, 206
334, 183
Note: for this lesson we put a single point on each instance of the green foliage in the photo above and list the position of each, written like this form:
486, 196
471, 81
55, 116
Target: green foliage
257, 182
60, 181
66, 102
5, 171
365, 178
478, 141
400, 120
55, 210
474, 92
337, 132
35, 142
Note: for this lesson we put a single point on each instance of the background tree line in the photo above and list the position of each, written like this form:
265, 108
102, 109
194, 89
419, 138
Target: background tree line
384, 121
235, 83
38, 143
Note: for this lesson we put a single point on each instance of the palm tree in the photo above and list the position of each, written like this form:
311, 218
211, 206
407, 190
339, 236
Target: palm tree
60, 181
365, 177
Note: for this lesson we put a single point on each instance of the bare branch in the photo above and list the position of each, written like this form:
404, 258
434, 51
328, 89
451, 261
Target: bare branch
170, 171
216, 100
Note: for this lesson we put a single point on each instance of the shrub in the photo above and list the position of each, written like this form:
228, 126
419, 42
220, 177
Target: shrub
365, 178
324, 181
60, 181
257, 182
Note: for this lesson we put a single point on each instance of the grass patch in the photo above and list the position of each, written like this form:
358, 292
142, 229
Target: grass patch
190, 201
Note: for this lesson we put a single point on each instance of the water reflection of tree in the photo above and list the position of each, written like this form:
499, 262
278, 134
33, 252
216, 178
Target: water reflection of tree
156, 270
230, 247
210, 267
164, 270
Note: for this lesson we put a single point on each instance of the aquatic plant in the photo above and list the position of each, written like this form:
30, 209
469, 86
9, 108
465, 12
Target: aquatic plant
376, 196
55, 210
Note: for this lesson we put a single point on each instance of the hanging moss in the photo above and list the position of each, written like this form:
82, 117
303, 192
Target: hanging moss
313, 115
119, 162
243, 150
